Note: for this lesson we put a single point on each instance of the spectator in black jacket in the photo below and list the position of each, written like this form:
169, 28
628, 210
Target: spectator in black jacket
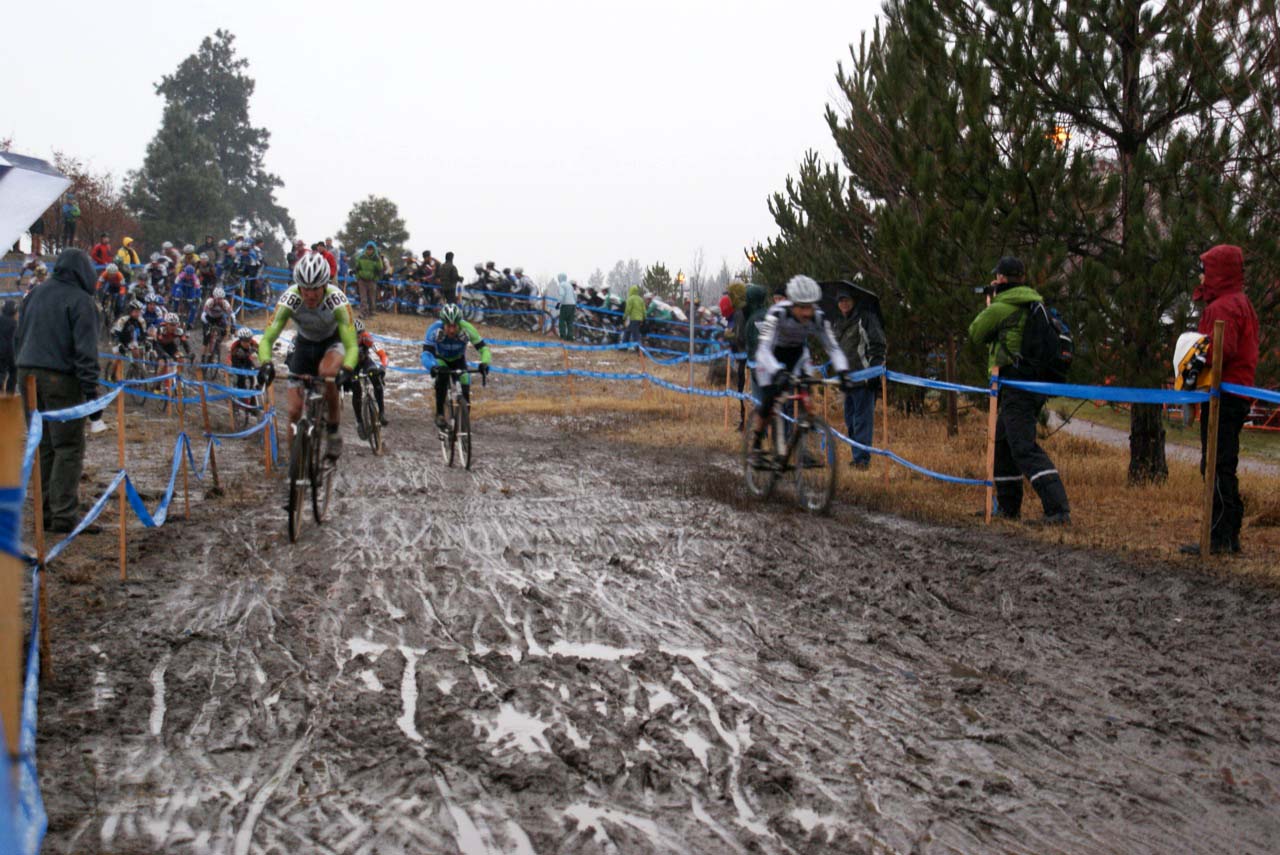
8, 331
58, 345
860, 331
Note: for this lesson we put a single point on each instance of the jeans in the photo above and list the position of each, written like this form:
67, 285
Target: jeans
631, 333
1228, 507
859, 420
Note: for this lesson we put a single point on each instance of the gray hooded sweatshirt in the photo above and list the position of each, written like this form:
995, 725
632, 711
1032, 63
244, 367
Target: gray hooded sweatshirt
58, 330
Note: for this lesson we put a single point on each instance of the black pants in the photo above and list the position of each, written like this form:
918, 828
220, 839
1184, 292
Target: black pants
1228, 508
442, 388
740, 382
69, 234
8, 375
357, 396
1019, 456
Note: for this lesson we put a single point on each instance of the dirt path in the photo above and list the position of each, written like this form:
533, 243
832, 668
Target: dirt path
581, 647
1120, 439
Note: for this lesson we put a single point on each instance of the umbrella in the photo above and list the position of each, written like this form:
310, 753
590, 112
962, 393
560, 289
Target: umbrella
831, 292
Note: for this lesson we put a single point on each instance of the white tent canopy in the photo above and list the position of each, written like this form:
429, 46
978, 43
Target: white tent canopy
27, 188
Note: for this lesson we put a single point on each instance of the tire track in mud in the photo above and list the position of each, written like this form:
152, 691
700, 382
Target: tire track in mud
581, 647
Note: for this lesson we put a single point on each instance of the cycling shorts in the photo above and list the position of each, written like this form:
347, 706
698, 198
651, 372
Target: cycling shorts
168, 348
305, 355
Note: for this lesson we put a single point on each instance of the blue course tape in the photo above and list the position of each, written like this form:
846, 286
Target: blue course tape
1117, 394
88, 518
926, 383
1252, 392
250, 431
30, 819
79, 411
11, 521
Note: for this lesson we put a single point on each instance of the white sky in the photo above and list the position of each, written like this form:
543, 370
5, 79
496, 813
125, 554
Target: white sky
559, 135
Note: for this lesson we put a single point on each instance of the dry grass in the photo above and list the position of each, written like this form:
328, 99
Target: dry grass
1142, 522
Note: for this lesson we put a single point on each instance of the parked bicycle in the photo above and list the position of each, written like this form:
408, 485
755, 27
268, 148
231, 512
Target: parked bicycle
309, 470
455, 437
802, 444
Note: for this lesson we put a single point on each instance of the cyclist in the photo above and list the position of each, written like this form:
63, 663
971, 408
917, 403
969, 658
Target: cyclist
153, 312
130, 331
111, 289
207, 273
444, 348
186, 294
783, 350
374, 360
189, 256
325, 345
168, 336
216, 313
243, 355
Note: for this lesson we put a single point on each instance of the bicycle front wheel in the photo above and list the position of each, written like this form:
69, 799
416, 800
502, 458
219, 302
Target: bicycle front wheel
318, 474
759, 467
299, 470
815, 466
464, 432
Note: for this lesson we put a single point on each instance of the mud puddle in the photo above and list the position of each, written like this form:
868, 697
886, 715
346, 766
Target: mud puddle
582, 647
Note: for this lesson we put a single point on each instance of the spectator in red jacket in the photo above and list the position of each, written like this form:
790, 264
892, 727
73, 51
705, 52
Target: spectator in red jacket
1221, 290
320, 247
102, 253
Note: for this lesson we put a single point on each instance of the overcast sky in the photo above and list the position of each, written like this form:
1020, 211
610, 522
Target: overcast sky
558, 135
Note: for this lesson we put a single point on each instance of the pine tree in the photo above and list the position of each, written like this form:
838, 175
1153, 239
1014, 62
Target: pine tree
657, 280
179, 192
375, 219
212, 87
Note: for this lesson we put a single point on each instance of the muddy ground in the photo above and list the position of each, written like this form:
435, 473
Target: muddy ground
585, 647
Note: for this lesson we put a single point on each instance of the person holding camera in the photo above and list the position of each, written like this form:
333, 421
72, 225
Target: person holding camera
1000, 327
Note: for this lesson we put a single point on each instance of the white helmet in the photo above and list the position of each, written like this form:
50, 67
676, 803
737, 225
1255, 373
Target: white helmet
312, 271
171, 318
189, 248
802, 289
218, 293
244, 333
111, 268
167, 245
519, 271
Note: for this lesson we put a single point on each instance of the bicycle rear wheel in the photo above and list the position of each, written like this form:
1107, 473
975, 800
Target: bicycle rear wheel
464, 432
760, 476
815, 466
372, 424
299, 469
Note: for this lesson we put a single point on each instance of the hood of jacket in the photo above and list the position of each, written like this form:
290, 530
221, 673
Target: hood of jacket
1223, 273
756, 298
74, 267
633, 291
1019, 295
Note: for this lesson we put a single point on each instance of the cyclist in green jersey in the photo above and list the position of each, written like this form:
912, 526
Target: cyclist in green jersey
325, 344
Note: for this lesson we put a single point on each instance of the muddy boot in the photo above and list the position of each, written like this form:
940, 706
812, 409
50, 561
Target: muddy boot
382, 419
441, 424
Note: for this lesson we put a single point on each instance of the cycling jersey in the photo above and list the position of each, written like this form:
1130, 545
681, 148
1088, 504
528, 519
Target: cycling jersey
216, 311
169, 333
242, 353
111, 283
128, 331
331, 317
369, 349
783, 342
449, 349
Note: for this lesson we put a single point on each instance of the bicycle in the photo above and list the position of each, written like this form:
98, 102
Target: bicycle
211, 356
808, 449
309, 469
455, 438
246, 411
369, 412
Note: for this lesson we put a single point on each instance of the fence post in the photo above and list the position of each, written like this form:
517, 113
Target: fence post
37, 523
953, 415
124, 507
728, 362
11, 428
204, 412
182, 432
993, 402
568, 377
884, 410
1211, 447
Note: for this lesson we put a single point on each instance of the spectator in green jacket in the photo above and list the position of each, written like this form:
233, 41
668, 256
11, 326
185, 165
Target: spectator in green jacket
633, 314
368, 268
999, 328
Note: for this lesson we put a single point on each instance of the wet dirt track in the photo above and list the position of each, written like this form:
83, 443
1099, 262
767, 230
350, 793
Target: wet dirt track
580, 647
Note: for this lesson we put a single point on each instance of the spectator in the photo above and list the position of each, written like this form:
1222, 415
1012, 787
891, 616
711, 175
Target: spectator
1018, 455
126, 256
101, 252
210, 247
58, 345
324, 250
733, 310
70, 219
8, 332
568, 307
755, 307
448, 277
860, 331
428, 268
368, 272
1221, 290
37, 235
633, 315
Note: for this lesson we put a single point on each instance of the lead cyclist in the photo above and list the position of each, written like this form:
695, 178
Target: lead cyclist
325, 345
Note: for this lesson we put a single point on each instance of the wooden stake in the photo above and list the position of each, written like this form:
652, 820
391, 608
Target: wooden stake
953, 414
204, 412
991, 442
884, 409
124, 506
728, 362
11, 576
568, 377
37, 523
1211, 447
182, 430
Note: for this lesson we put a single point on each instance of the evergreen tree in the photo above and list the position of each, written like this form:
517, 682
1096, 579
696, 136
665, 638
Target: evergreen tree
375, 219
212, 87
596, 280
179, 192
657, 279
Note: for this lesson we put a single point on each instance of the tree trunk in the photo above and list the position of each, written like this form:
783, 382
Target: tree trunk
1147, 462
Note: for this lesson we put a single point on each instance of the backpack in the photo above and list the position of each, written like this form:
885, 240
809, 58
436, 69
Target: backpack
1047, 345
